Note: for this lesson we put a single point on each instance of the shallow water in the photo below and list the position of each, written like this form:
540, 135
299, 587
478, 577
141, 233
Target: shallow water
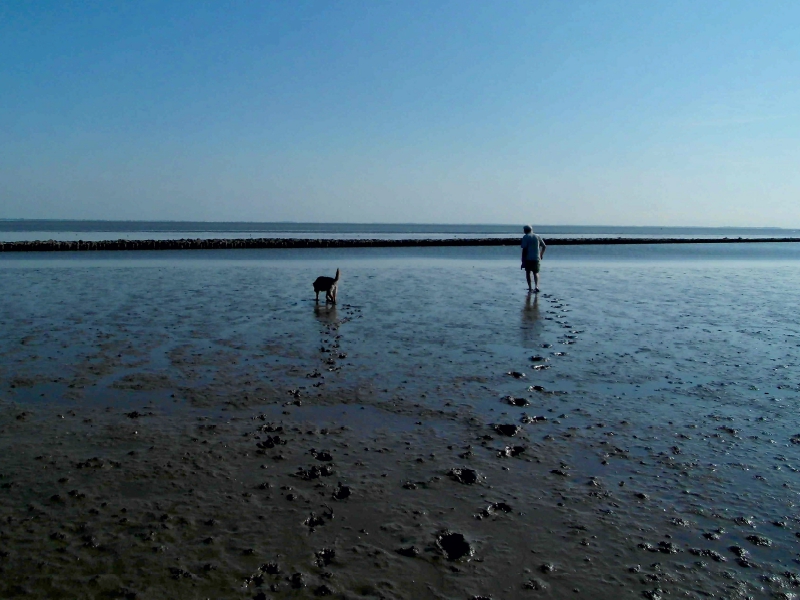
679, 379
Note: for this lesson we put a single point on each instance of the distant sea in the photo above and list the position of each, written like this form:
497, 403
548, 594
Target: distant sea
13, 230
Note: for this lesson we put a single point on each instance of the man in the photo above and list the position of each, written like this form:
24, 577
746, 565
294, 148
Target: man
533, 248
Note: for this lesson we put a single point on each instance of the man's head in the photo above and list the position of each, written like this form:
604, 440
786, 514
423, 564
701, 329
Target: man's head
527, 229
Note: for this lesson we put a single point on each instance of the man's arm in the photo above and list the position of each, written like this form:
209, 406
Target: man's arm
542, 248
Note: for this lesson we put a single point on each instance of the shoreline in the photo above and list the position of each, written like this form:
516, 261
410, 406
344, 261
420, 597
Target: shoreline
299, 243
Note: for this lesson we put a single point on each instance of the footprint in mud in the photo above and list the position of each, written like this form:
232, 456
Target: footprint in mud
507, 429
341, 492
454, 545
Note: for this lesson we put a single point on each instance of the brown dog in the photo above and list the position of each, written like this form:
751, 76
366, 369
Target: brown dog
327, 285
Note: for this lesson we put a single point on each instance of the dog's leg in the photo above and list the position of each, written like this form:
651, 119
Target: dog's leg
317, 299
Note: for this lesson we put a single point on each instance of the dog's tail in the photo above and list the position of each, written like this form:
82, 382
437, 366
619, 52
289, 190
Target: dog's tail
337, 275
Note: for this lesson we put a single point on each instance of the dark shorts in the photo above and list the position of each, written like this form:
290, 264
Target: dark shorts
532, 265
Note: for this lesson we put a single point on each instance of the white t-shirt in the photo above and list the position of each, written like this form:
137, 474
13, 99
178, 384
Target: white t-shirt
533, 243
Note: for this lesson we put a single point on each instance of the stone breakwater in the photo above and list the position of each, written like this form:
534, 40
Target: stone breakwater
221, 244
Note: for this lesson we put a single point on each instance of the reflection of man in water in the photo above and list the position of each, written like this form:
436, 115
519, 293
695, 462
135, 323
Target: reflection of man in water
531, 327
533, 248
530, 313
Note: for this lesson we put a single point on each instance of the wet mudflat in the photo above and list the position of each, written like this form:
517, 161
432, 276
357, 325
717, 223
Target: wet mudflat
193, 429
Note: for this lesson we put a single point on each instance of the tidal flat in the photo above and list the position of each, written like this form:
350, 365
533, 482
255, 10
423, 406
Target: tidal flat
195, 426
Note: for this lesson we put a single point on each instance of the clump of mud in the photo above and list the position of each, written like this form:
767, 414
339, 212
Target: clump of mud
514, 401
465, 476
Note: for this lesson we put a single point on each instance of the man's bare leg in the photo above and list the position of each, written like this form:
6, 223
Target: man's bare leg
528, 277
535, 282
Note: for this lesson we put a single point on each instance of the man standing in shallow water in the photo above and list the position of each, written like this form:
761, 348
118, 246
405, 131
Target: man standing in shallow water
533, 248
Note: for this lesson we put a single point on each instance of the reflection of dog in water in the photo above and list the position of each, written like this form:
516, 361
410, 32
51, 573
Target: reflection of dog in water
327, 285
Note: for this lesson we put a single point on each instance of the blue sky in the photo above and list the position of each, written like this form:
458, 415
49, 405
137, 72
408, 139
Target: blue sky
629, 113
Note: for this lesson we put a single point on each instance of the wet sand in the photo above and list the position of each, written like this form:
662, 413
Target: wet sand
203, 430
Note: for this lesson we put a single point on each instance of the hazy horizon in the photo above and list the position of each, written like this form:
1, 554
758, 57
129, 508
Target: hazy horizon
561, 114
511, 226
386, 223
